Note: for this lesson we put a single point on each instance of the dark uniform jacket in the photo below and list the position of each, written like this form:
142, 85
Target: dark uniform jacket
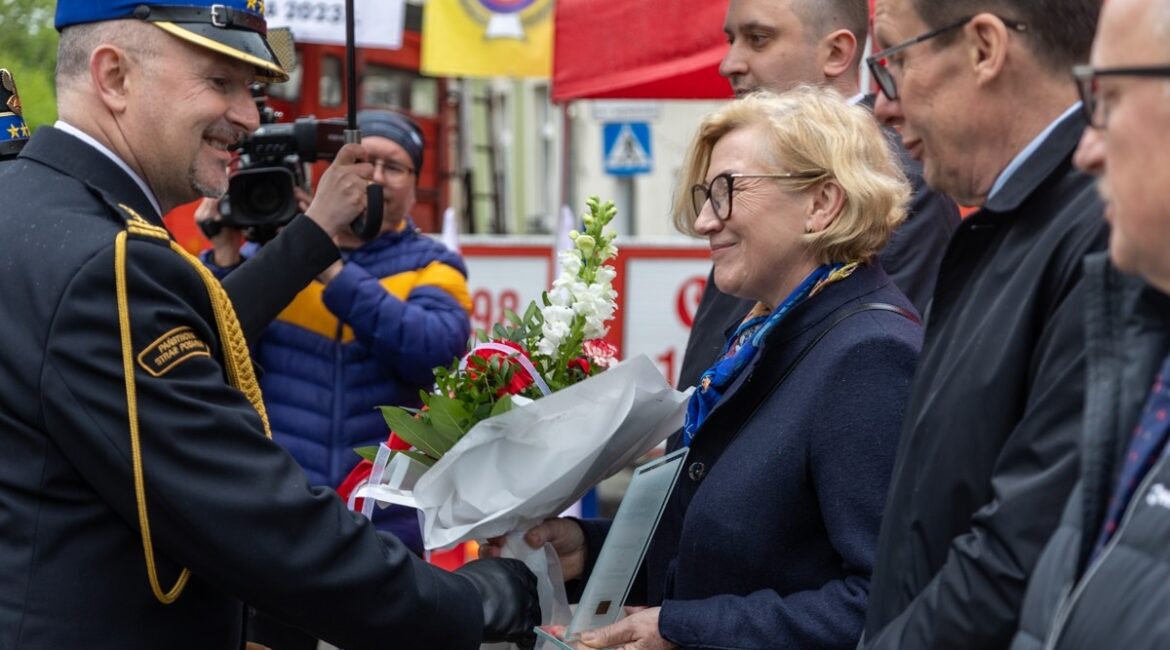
768, 538
988, 451
911, 259
1121, 600
221, 498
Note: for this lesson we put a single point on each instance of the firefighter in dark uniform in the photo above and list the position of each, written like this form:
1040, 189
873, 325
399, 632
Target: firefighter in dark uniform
141, 503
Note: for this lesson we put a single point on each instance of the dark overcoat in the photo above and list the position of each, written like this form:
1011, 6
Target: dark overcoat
221, 499
768, 538
988, 452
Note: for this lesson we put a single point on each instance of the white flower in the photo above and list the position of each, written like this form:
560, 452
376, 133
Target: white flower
595, 303
605, 275
565, 289
558, 322
570, 262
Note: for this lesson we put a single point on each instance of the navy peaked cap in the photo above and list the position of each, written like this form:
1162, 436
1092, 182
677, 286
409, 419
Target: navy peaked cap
235, 28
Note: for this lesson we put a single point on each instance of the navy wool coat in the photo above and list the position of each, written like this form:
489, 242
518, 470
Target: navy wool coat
768, 539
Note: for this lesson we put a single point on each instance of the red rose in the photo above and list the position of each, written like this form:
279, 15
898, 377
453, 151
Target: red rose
582, 364
520, 377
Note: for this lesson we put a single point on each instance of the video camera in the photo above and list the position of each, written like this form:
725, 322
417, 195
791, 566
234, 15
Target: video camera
272, 162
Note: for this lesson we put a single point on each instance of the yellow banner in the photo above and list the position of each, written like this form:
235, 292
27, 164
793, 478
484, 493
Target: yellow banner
487, 38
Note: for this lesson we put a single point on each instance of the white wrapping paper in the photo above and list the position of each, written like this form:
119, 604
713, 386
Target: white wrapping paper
512, 471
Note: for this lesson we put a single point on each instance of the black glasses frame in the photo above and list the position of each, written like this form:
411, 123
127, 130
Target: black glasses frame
1094, 109
877, 63
701, 193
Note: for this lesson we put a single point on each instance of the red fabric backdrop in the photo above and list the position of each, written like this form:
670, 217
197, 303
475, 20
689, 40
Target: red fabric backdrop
639, 49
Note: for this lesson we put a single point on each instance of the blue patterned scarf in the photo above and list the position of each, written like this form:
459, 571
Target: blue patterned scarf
745, 343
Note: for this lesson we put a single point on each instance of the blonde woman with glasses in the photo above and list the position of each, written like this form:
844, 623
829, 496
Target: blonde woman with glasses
768, 539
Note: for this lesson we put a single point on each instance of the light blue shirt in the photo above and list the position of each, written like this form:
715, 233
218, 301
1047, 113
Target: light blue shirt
1023, 156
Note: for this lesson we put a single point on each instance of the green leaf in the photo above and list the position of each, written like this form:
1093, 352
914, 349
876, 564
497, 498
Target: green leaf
499, 331
369, 453
450, 418
420, 457
511, 317
545, 299
503, 405
415, 432
532, 314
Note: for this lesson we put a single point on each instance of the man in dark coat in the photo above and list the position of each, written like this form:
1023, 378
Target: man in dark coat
776, 45
988, 452
1102, 580
141, 504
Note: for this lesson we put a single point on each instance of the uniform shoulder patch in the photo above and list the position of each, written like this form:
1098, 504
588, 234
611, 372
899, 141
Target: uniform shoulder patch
171, 349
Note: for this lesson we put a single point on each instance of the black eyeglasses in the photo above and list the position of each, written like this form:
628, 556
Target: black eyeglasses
879, 62
720, 191
1088, 84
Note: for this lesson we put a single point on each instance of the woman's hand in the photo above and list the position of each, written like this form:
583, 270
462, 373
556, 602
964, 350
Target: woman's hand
637, 632
566, 537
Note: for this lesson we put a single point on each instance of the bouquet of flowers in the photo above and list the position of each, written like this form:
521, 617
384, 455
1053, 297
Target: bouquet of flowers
550, 347
527, 422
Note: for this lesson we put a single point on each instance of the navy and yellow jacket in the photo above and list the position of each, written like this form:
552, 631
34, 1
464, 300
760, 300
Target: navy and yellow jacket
373, 336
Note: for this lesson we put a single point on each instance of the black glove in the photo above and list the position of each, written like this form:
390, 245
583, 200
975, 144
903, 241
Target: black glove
511, 607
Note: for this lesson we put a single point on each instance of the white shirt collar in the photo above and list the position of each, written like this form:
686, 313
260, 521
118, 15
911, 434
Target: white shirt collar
88, 139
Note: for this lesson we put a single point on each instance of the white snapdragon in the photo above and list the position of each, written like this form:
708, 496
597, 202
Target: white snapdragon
558, 323
595, 303
570, 263
605, 275
582, 298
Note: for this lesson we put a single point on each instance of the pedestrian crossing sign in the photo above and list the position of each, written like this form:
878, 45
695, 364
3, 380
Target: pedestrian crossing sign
626, 149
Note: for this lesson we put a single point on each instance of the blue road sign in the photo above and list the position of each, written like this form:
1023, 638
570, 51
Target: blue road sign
626, 148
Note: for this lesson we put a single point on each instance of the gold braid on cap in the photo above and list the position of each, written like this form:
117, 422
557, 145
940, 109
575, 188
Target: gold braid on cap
237, 360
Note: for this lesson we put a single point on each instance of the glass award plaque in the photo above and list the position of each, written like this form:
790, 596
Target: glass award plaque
621, 555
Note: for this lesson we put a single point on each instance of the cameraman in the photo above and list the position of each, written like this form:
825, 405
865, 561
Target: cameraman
368, 332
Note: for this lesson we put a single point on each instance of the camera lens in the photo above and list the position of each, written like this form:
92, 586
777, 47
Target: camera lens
262, 196
265, 198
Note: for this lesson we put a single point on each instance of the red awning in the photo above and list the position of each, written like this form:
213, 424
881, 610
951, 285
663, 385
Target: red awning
639, 49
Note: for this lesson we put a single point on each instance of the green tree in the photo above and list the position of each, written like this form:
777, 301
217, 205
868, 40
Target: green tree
30, 53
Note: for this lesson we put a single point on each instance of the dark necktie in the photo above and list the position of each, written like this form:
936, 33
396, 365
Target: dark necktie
1147, 445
